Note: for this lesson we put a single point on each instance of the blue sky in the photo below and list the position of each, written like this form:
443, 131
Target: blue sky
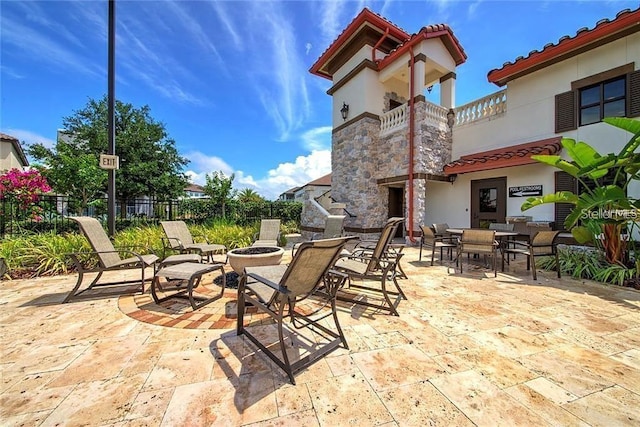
230, 79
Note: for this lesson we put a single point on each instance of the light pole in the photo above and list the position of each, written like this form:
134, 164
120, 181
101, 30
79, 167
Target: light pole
111, 77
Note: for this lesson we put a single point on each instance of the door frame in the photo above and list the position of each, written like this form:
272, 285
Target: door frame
476, 217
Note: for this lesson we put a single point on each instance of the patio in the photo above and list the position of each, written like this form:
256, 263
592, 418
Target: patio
466, 350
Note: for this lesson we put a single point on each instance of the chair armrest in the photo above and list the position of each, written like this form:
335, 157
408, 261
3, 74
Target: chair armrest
172, 243
514, 244
276, 287
201, 236
132, 250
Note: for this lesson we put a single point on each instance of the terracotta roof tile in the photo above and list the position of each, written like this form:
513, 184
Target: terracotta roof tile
605, 30
515, 155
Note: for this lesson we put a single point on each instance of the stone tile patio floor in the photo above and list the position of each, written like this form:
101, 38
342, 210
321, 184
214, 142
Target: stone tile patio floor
466, 350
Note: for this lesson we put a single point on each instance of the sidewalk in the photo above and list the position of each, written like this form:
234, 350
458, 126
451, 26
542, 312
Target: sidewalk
466, 350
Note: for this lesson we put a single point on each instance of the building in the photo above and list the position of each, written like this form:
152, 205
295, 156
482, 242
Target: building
11, 154
194, 191
394, 153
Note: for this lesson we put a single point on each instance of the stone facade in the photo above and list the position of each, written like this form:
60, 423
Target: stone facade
360, 157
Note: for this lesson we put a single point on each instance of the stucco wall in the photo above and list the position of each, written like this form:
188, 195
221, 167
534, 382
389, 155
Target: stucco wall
531, 104
451, 203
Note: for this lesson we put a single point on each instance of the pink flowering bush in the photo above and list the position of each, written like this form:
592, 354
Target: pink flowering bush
24, 187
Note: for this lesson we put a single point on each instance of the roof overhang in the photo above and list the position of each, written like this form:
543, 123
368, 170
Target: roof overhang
514, 155
441, 31
17, 148
626, 22
365, 24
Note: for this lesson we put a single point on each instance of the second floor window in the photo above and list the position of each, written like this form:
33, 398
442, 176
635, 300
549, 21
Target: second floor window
602, 100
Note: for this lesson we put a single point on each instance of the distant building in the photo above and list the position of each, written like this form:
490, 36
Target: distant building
289, 195
313, 189
11, 154
194, 191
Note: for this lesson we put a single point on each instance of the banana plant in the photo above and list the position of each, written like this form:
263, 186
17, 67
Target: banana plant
600, 211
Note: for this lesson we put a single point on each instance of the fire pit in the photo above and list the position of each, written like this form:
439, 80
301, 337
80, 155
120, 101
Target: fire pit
253, 256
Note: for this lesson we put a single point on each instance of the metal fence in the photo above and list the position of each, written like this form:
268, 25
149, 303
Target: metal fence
52, 212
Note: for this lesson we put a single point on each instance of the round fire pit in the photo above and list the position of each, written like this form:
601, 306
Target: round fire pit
253, 256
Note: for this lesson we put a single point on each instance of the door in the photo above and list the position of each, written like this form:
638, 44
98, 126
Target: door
488, 201
396, 206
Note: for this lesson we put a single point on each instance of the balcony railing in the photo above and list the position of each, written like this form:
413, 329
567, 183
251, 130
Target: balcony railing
436, 115
483, 108
394, 119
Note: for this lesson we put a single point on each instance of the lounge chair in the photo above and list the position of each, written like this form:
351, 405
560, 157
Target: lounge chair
377, 264
269, 233
430, 240
105, 257
179, 238
281, 290
542, 244
333, 227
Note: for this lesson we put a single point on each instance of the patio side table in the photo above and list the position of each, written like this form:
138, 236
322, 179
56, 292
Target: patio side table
192, 273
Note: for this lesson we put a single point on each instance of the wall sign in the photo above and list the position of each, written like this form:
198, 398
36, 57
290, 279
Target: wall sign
526, 191
109, 161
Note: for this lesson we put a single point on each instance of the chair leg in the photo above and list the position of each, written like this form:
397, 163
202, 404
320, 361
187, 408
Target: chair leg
420, 256
240, 315
533, 265
558, 264
283, 348
495, 263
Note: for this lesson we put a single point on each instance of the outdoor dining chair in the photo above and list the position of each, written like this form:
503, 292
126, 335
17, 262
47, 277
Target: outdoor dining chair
179, 238
377, 264
305, 292
105, 257
481, 242
430, 240
541, 244
269, 233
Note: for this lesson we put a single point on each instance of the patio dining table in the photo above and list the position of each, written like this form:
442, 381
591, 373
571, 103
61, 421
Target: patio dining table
499, 234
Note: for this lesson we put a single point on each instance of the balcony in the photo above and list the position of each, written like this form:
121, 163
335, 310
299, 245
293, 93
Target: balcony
398, 118
482, 109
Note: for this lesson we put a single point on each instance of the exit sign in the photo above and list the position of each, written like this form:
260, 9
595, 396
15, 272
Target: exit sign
108, 161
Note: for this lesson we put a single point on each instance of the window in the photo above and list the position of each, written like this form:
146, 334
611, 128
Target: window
613, 93
602, 100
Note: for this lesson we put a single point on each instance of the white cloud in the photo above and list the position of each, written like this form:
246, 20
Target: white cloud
28, 137
317, 139
201, 164
280, 75
307, 48
285, 176
290, 174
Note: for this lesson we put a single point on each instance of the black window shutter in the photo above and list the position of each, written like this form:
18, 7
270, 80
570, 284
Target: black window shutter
633, 94
564, 182
566, 117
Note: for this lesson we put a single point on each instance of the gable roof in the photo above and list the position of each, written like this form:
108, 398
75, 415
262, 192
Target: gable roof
392, 39
195, 188
322, 181
605, 31
16, 146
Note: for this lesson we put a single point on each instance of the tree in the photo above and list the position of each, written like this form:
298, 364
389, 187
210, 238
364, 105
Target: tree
218, 188
149, 161
73, 172
247, 195
603, 210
